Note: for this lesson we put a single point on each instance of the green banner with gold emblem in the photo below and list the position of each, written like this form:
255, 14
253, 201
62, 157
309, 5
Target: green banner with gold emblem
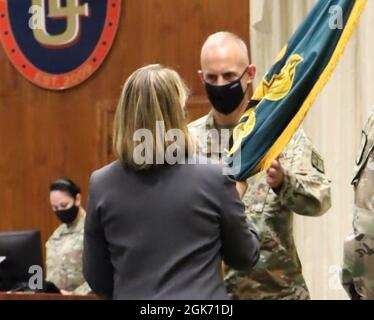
288, 90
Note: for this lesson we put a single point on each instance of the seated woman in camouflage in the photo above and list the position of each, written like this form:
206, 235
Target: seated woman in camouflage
65, 246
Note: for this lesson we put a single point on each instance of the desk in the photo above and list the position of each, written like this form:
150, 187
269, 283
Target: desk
44, 296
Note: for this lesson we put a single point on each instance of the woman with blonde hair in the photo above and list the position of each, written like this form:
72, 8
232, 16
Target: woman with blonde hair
158, 225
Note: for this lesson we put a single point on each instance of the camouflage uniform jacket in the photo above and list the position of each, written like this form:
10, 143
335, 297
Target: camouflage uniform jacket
306, 191
64, 257
358, 268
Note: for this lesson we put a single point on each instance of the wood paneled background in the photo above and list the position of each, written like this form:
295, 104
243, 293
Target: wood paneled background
45, 135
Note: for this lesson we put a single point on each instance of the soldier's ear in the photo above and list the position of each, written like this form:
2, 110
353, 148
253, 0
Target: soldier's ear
201, 76
78, 200
251, 71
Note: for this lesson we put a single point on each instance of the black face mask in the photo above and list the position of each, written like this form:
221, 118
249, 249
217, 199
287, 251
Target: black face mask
226, 99
68, 215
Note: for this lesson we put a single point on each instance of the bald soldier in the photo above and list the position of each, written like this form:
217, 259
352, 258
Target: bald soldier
295, 182
358, 268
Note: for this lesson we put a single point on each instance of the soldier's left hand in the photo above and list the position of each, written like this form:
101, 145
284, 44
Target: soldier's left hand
242, 187
275, 175
65, 292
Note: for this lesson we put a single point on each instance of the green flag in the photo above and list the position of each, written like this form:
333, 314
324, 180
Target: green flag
288, 90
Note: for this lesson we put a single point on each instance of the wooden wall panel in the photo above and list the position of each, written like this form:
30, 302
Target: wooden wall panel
45, 135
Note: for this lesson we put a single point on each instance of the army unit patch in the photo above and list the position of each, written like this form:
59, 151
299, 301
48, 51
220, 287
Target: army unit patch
317, 162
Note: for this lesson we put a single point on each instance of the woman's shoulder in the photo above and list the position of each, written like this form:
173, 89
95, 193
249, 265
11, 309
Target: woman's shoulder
199, 169
202, 163
203, 169
106, 171
57, 233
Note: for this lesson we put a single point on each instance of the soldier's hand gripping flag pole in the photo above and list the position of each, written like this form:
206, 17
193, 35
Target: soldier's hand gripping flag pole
288, 90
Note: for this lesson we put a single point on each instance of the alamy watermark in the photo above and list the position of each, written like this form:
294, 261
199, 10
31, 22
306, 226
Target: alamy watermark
36, 278
336, 20
176, 152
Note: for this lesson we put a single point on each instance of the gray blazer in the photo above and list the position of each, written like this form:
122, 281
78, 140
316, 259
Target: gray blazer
161, 234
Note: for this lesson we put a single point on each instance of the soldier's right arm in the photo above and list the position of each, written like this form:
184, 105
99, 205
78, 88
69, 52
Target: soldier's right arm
363, 223
48, 262
348, 262
52, 258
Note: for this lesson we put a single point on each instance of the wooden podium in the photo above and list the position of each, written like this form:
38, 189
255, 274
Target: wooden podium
44, 296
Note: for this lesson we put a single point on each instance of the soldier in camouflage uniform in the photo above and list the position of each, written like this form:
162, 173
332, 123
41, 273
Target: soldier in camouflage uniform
296, 182
358, 268
65, 247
